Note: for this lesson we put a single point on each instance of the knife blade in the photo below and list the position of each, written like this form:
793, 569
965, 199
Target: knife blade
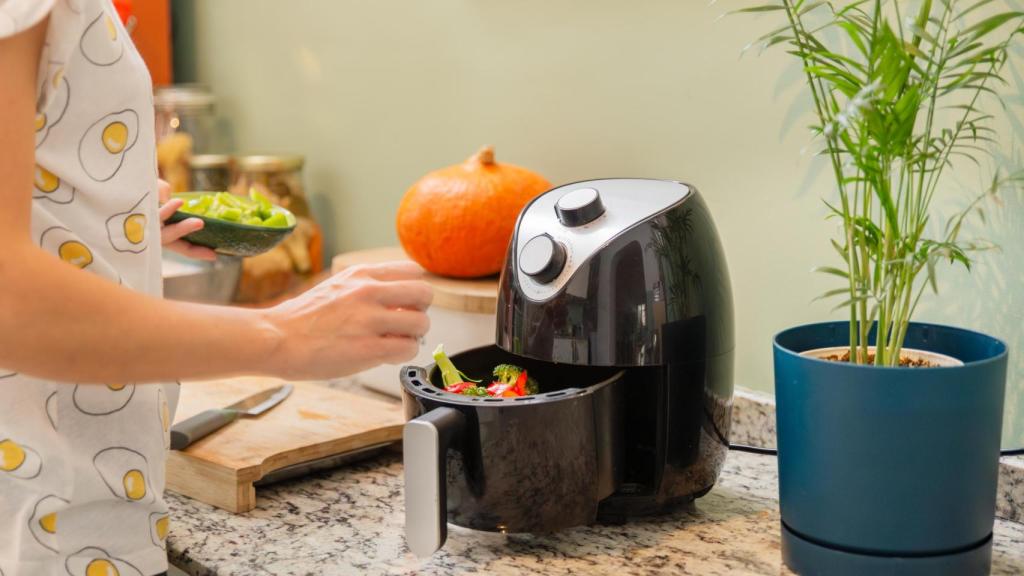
186, 432
260, 402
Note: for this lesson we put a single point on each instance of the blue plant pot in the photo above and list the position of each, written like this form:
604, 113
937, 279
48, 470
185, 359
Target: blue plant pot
888, 470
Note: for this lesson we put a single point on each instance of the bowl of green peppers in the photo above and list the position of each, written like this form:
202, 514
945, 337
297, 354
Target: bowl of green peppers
235, 225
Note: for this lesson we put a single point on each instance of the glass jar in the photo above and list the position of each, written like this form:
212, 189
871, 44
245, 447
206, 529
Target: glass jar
278, 176
184, 126
210, 172
300, 255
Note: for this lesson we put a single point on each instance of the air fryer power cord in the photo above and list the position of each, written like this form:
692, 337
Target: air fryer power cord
774, 452
754, 449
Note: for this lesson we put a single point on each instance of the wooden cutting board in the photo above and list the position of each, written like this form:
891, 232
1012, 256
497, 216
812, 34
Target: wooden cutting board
313, 423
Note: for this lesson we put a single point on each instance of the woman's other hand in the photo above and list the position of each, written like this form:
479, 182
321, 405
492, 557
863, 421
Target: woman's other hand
171, 234
357, 319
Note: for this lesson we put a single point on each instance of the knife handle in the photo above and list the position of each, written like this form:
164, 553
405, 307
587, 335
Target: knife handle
192, 429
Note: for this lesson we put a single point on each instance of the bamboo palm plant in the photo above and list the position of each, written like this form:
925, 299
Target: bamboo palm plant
898, 99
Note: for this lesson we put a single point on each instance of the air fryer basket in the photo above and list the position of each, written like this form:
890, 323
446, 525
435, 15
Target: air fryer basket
532, 464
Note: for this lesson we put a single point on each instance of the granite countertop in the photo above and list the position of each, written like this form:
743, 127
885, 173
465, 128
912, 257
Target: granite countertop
350, 521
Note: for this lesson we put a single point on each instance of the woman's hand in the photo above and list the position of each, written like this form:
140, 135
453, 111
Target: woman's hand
357, 319
171, 234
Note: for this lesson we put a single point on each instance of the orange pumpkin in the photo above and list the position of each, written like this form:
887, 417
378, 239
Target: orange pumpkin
457, 221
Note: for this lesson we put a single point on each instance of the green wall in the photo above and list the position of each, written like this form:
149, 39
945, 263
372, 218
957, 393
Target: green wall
377, 92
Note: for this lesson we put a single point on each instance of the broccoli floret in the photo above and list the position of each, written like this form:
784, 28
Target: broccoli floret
450, 375
509, 373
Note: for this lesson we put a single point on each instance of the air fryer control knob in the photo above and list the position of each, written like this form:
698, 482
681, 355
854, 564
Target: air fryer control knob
542, 258
578, 207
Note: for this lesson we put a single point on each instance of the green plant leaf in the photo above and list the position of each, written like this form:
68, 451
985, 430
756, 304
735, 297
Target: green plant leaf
832, 293
849, 302
851, 7
920, 32
991, 23
854, 34
757, 9
831, 270
971, 8
931, 276
840, 250
915, 51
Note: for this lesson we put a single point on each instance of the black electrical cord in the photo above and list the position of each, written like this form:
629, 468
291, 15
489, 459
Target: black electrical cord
774, 452
754, 449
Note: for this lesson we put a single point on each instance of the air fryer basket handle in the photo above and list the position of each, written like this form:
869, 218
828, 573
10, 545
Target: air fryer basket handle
425, 448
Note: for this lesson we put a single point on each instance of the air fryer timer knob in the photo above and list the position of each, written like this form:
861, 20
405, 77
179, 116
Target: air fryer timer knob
579, 207
542, 258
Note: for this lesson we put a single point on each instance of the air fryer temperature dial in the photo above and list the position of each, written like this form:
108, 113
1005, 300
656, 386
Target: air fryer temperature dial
542, 258
578, 207
548, 249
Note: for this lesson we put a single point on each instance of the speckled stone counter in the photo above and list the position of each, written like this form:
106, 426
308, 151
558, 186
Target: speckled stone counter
349, 521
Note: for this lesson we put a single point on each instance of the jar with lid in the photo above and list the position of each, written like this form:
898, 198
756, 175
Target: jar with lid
278, 175
210, 172
300, 255
184, 126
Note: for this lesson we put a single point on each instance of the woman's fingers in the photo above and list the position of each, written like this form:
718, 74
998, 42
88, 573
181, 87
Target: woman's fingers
397, 349
171, 232
169, 208
163, 190
410, 294
410, 323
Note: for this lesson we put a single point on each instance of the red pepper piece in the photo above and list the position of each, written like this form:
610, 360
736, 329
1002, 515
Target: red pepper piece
458, 387
520, 385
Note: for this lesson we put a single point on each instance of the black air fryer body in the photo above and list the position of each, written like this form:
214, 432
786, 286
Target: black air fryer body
651, 292
615, 295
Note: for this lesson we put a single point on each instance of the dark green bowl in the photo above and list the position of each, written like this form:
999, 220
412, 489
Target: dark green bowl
233, 238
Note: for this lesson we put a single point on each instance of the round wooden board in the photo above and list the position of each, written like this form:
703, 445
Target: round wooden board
479, 295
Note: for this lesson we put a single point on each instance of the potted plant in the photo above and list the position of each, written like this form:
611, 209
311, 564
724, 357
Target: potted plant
888, 457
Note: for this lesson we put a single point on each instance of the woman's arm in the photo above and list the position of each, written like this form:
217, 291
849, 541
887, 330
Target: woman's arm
59, 322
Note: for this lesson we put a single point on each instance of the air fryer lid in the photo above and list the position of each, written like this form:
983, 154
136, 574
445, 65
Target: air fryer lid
578, 220
616, 272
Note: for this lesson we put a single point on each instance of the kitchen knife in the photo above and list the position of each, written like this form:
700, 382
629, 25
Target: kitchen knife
192, 429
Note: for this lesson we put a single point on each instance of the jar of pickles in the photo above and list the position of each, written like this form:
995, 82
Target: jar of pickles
300, 255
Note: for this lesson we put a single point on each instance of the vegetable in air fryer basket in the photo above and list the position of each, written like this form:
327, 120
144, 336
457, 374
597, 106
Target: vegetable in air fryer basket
510, 376
510, 381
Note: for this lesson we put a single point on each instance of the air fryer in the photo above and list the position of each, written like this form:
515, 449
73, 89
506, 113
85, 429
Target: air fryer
615, 296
